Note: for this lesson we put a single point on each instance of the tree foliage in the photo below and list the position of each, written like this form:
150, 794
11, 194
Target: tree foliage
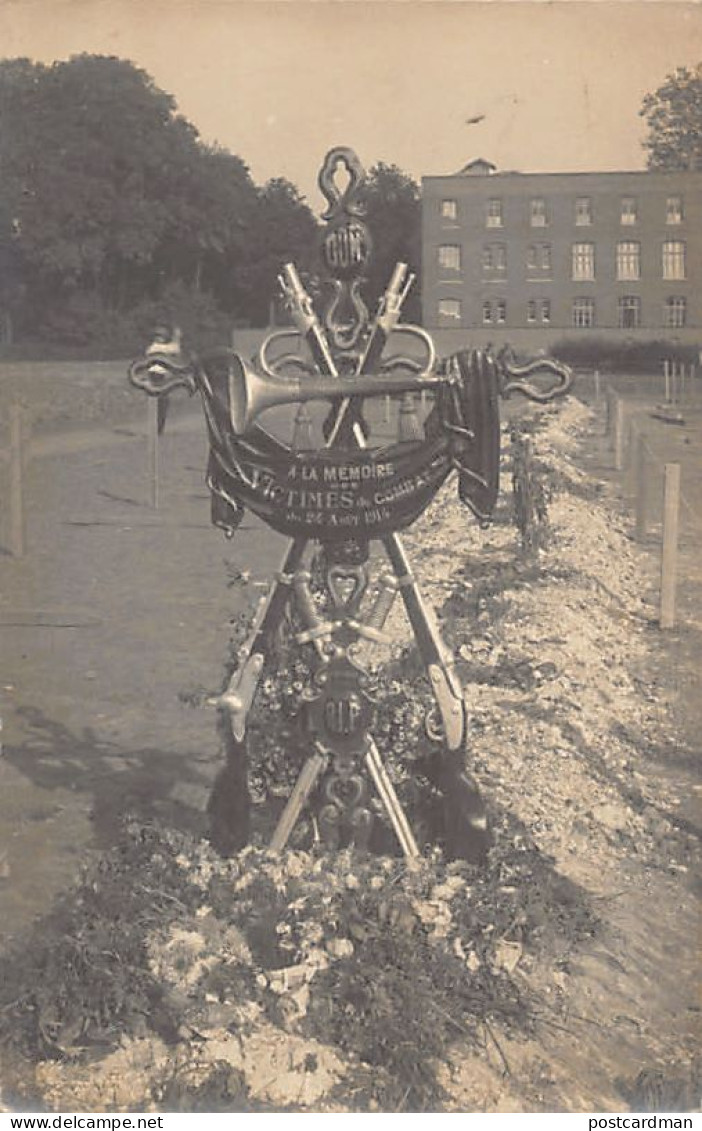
289, 234
114, 212
673, 114
393, 214
111, 202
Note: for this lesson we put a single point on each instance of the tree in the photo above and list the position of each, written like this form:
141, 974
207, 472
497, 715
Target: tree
393, 215
211, 226
673, 114
108, 192
286, 231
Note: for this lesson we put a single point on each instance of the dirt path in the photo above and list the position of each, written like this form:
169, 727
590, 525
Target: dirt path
115, 612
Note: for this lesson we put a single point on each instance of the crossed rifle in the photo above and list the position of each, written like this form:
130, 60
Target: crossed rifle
238, 697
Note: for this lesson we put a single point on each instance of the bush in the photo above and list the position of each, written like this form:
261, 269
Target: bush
203, 324
84, 329
621, 357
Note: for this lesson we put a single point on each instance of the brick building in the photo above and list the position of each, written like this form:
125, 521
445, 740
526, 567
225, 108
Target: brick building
536, 257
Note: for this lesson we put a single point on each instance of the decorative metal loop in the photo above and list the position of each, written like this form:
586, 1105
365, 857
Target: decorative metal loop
341, 202
345, 333
288, 359
157, 374
269, 366
423, 368
510, 368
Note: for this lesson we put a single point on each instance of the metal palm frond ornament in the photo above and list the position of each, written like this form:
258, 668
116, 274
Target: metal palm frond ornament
341, 497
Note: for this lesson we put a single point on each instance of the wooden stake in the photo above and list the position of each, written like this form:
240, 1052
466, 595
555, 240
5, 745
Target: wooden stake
17, 515
152, 448
609, 422
597, 386
630, 454
641, 489
619, 434
669, 555
675, 382
666, 374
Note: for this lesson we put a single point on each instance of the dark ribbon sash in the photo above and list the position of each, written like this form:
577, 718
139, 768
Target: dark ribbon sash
342, 494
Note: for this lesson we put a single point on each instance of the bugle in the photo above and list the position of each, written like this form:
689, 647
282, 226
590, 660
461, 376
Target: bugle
251, 393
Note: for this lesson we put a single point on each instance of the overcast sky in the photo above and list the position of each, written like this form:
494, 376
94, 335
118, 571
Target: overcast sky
560, 84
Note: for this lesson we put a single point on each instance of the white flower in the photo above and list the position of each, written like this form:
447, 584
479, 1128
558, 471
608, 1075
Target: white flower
340, 948
449, 888
297, 864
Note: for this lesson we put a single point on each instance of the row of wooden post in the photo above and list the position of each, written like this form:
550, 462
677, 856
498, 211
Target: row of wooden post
18, 456
674, 375
152, 441
634, 446
616, 425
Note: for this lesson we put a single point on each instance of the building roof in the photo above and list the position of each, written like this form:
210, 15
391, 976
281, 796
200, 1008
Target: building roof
470, 170
477, 168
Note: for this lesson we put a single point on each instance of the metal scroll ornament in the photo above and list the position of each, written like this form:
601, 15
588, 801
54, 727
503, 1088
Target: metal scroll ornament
341, 494
346, 247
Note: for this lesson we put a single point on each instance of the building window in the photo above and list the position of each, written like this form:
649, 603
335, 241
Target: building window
583, 312
487, 312
674, 259
629, 312
545, 310
450, 257
531, 310
495, 258
630, 210
674, 210
501, 310
494, 214
537, 213
539, 257
583, 211
675, 312
583, 261
449, 210
449, 310
629, 260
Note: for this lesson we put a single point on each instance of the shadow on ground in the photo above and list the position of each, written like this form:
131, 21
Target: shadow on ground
144, 782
